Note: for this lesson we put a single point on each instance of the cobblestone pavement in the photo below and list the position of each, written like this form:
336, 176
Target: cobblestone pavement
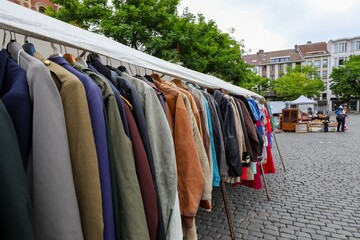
318, 197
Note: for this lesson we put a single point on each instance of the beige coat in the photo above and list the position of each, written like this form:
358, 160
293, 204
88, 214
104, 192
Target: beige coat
82, 149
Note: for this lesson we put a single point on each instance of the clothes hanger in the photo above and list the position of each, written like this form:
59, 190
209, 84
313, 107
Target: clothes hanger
79, 59
69, 57
132, 73
13, 38
56, 52
108, 61
122, 68
4, 39
180, 84
29, 47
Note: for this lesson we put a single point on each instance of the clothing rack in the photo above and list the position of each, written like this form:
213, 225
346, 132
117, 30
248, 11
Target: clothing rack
19, 20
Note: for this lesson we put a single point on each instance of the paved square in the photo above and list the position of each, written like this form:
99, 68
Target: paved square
317, 198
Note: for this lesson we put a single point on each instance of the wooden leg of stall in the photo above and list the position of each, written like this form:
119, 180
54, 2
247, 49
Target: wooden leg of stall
265, 182
227, 208
277, 146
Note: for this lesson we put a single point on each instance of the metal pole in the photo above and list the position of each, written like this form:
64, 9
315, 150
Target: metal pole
277, 146
265, 183
227, 208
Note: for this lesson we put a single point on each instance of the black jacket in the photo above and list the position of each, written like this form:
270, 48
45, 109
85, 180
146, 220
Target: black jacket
230, 137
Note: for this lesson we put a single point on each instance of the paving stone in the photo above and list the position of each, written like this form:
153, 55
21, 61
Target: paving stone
250, 237
346, 233
316, 227
323, 233
300, 224
328, 229
256, 234
271, 232
334, 226
215, 235
302, 234
317, 237
287, 230
308, 230
288, 236
223, 231
269, 237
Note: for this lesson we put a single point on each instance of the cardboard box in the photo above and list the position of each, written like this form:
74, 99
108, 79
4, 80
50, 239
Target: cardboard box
301, 127
332, 128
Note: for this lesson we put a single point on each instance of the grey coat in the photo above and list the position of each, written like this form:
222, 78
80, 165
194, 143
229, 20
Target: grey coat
56, 212
163, 148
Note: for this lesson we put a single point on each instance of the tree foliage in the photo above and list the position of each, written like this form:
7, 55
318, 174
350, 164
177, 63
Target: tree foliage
346, 79
155, 27
256, 84
298, 81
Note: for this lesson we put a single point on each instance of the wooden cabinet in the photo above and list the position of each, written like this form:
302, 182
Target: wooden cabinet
289, 119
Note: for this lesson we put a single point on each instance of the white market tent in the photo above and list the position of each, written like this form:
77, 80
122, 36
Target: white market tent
305, 102
30, 23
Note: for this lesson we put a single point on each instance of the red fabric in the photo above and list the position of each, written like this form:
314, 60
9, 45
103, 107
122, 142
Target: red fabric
144, 175
244, 173
257, 182
269, 166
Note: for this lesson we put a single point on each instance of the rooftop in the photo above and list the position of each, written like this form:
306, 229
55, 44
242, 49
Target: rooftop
313, 49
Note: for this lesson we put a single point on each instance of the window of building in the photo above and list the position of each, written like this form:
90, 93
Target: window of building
281, 67
324, 63
42, 9
255, 70
324, 74
325, 85
355, 46
272, 77
272, 68
317, 63
341, 61
280, 59
340, 47
317, 73
324, 95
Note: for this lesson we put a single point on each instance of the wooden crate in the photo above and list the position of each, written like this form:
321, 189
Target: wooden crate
301, 128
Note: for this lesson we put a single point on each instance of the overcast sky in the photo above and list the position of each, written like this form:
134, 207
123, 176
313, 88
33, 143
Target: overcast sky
280, 24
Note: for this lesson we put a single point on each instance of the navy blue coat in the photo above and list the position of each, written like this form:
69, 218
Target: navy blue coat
96, 109
14, 92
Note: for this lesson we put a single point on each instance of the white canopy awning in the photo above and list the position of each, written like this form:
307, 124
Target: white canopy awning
33, 24
303, 100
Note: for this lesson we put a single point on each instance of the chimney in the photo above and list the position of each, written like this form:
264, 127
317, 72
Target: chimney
260, 52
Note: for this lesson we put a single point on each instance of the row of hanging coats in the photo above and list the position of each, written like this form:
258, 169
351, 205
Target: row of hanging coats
90, 152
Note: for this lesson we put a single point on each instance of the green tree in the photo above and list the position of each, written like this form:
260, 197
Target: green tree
87, 14
346, 79
256, 83
298, 81
154, 26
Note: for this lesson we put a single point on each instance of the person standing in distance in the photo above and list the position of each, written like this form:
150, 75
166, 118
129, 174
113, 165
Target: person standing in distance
340, 118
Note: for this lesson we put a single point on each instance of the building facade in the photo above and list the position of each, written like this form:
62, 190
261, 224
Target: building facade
323, 56
317, 55
340, 49
37, 5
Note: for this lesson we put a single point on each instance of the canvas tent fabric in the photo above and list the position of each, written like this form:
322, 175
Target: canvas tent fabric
303, 100
30, 23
